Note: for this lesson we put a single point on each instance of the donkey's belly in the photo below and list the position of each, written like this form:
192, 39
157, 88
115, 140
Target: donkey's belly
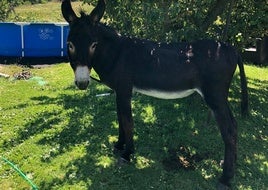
166, 94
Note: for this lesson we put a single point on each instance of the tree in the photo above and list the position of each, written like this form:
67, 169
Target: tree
6, 7
238, 22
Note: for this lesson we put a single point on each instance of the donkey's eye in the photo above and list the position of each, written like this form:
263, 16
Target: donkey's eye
71, 47
92, 48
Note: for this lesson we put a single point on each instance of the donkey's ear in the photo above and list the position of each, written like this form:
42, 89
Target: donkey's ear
98, 11
67, 11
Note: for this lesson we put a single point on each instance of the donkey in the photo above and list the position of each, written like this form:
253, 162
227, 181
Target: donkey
161, 70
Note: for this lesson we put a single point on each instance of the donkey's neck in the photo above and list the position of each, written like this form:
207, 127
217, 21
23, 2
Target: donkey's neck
107, 51
107, 32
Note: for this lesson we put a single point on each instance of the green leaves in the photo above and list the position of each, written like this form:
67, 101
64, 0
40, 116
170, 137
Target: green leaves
180, 20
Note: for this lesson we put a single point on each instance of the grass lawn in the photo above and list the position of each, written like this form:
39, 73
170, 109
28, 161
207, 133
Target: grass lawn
62, 138
49, 12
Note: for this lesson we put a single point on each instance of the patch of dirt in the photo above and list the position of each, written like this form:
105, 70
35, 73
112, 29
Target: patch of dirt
23, 75
181, 158
19, 72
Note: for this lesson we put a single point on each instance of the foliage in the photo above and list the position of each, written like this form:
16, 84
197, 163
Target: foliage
7, 7
249, 21
180, 20
157, 20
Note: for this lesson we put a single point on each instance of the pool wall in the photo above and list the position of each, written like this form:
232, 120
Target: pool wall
33, 39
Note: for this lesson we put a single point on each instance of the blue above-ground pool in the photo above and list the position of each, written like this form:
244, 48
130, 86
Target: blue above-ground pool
33, 39
10, 39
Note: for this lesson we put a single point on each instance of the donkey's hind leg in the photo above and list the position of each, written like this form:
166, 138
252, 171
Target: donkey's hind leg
228, 129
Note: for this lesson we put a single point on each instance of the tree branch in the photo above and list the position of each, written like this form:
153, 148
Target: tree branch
215, 11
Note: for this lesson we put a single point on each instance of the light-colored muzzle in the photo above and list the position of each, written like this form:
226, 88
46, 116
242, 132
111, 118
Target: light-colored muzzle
82, 77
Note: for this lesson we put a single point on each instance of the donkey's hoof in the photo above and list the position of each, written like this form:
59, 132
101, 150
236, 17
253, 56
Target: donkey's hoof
222, 186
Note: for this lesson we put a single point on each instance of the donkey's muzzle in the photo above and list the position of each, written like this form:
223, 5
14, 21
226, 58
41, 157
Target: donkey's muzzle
82, 77
82, 85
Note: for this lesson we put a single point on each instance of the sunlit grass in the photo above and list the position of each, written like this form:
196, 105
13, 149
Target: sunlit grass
49, 12
63, 138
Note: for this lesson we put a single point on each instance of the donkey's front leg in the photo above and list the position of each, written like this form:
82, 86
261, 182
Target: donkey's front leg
125, 120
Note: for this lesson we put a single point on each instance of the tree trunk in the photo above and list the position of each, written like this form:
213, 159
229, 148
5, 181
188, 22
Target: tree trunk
228, 20
216, 10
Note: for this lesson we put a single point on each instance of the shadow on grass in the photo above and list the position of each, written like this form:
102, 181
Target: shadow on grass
156, 142
253, 136
174, 150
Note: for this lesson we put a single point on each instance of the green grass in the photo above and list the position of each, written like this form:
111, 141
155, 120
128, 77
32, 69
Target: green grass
49, 12
62, 138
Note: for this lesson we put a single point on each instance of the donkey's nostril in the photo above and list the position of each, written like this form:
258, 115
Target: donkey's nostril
82, 85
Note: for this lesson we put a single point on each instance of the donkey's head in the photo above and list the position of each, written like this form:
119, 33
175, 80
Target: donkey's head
82, 40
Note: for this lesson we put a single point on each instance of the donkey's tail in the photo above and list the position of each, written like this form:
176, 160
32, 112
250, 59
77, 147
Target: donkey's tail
244, 88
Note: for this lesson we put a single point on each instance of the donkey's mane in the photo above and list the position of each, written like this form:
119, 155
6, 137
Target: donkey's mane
108, 31
111, 33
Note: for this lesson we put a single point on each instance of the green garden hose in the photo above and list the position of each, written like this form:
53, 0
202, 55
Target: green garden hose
34, 187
